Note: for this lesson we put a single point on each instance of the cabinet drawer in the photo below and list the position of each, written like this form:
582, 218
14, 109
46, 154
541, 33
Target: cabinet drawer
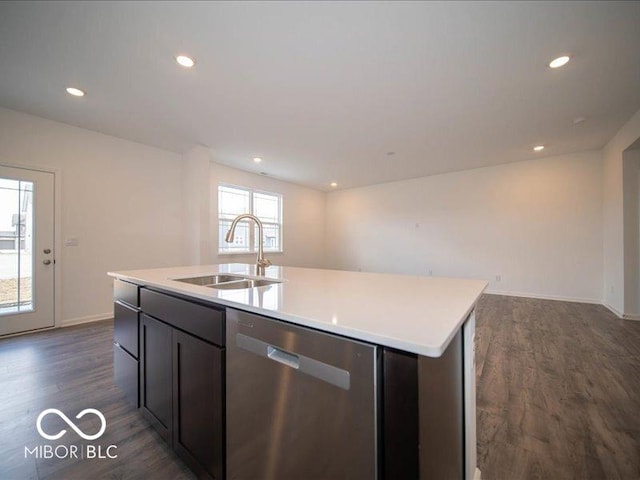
125, 374
126, 292
125, 327
204, 322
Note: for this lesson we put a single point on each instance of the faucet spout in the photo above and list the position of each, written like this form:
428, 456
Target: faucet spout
261, 262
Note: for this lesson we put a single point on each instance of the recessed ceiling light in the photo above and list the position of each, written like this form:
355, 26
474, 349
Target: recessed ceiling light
559, 62
257, 159
185, 61
539, 148
76, 92
334, 184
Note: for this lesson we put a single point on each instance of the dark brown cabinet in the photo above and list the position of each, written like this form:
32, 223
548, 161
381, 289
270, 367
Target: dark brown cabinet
182, 378
156, 375
125, 374
125, 327
198, 371
126, 292
125, 339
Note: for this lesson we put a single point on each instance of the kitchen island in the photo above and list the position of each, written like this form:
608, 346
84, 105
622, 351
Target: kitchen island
406, 398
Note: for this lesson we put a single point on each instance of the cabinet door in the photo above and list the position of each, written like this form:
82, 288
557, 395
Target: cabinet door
198, 404
155, 374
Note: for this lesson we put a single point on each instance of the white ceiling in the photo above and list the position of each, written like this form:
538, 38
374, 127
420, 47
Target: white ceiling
322, 91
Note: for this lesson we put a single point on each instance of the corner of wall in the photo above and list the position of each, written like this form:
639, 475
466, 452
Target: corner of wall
196, 206
613, 213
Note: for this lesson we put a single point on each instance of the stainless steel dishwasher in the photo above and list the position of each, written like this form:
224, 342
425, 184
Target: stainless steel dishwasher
301, 404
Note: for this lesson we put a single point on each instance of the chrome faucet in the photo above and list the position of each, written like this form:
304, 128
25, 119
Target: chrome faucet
261, 262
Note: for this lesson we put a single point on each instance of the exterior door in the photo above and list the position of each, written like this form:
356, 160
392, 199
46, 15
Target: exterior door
26, 250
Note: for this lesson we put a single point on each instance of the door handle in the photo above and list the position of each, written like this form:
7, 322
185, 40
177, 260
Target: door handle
47, 262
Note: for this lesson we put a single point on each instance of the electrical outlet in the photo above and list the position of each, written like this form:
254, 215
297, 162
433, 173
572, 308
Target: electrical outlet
498, 278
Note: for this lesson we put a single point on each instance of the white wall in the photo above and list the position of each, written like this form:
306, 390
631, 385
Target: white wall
196, 217
120, 198
613, 216
631, 218
303, 213
537, 224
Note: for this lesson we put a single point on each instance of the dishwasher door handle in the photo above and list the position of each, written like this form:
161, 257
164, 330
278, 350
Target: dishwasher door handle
307, 365
281, 356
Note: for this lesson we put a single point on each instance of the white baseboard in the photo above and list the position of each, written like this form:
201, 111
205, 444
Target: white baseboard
477, 475
544, 297
624, 316
90, 318
619, 314
613, 310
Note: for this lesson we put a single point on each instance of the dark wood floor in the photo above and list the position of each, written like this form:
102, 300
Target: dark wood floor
72, 369
558, 397
558, 391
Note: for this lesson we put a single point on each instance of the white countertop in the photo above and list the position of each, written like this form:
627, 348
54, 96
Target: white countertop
410, 313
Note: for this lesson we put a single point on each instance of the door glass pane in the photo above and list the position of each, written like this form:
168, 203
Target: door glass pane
16, 246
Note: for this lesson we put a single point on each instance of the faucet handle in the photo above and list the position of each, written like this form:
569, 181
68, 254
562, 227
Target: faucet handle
264, 262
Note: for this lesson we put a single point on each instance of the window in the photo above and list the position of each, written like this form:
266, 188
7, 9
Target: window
234, 201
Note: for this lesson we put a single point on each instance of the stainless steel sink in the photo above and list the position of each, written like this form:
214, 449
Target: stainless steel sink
209, 279
227, 282
247, 283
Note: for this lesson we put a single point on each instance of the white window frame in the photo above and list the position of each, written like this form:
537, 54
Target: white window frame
253, 241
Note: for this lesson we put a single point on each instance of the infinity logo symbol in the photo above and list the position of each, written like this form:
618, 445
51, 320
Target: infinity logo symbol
71, 424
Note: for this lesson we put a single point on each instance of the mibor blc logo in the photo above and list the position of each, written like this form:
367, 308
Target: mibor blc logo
77, 451
103, 424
